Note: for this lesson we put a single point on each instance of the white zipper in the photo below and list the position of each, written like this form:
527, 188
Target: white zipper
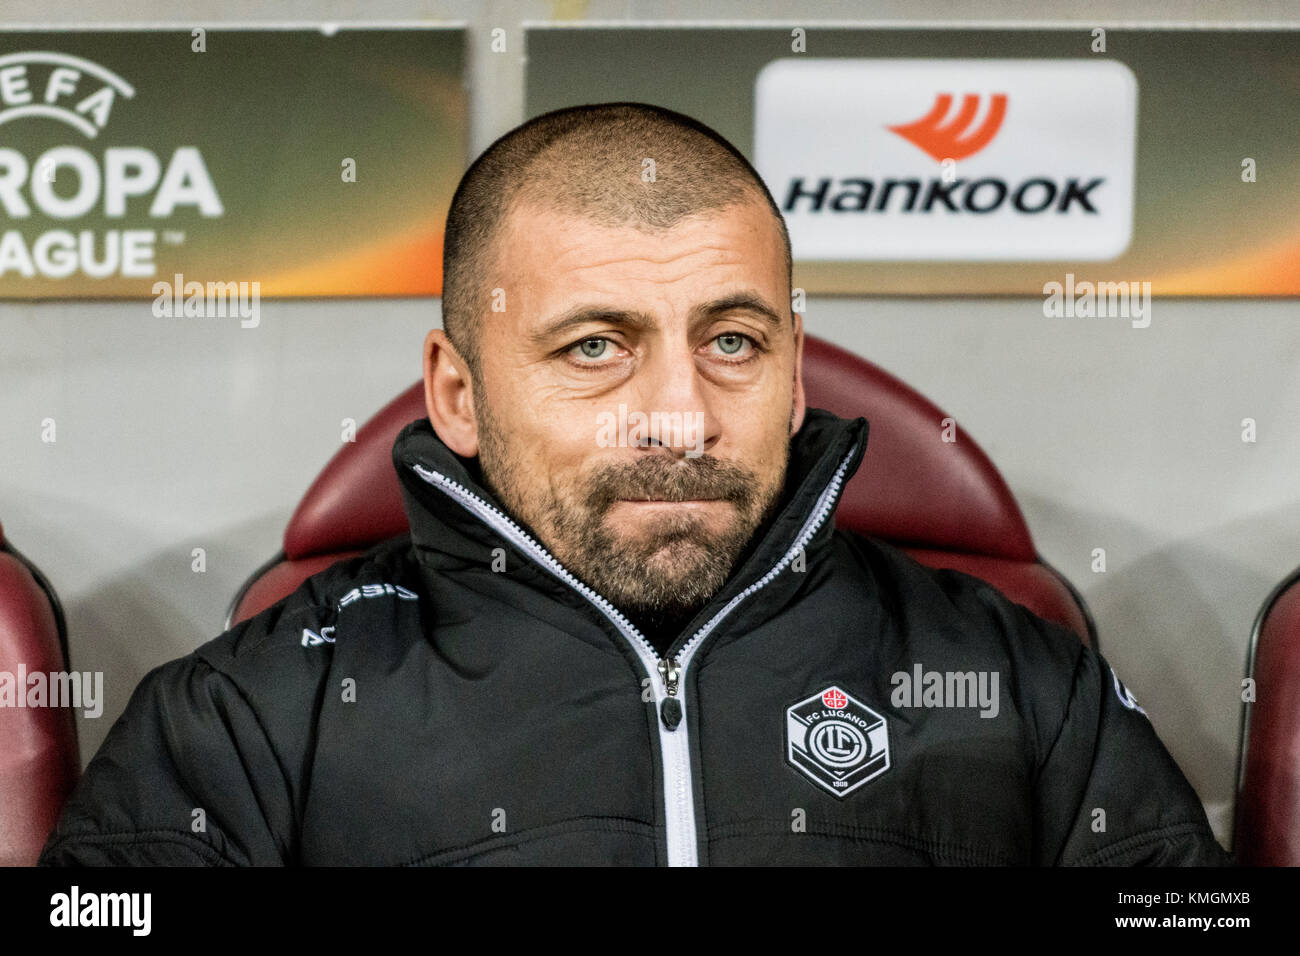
679, 792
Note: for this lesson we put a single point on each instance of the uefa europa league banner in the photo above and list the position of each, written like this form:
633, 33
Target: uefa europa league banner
310, 162
1077, 163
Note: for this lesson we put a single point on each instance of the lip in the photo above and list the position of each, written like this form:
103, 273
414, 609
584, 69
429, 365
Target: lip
664, 502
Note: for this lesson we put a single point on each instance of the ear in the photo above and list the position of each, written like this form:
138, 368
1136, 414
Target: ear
800, 401
449, 395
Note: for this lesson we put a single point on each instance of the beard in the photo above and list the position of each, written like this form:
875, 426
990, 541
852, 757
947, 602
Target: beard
670, 564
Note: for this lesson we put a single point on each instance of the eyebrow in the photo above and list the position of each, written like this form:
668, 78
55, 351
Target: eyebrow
748, 301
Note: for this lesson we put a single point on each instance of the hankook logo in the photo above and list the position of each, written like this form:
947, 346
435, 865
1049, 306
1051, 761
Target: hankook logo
915, 159
958, 137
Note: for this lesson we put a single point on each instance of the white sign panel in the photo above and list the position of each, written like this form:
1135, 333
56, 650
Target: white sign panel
922, 159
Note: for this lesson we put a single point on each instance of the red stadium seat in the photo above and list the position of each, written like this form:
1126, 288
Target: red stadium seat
39, 762
942, 502
1268, 776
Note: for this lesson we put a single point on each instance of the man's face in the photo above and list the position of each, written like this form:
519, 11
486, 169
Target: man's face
636, 396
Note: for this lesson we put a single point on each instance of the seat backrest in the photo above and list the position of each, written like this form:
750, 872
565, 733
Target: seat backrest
1267, 831
924, 486
39, 761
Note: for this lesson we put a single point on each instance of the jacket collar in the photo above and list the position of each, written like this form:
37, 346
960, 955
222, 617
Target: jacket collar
456, 521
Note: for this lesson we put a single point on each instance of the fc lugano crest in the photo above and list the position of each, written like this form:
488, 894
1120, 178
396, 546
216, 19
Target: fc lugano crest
835, 741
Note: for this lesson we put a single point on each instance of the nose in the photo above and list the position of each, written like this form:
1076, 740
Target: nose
674, 397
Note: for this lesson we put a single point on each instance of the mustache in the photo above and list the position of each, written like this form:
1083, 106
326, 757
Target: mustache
665, 479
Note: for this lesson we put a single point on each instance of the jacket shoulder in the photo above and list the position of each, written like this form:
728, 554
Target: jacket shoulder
230, 728
970, 620
300, 628
948, 591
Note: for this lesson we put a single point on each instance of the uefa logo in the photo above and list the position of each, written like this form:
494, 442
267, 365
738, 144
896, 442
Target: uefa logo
837, 742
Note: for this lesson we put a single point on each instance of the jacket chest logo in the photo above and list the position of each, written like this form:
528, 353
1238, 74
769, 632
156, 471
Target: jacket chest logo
837, 742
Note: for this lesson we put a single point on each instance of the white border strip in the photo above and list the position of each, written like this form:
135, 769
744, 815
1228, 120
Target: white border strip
811, 23
321, 26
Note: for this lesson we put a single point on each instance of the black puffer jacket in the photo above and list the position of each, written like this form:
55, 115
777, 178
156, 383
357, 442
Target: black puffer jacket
416, 706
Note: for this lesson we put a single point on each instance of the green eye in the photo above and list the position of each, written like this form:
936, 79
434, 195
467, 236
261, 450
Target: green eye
731, 344
593, 348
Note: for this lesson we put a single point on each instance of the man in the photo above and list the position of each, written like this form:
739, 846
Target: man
629, 646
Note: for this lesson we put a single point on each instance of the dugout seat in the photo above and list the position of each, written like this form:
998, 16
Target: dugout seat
1267, 831
39, 761
942, 502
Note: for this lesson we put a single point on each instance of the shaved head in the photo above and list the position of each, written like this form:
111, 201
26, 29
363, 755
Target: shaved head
615, 164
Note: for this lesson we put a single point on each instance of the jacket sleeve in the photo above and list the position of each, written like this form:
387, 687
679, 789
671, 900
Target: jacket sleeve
1108, 792
185, 777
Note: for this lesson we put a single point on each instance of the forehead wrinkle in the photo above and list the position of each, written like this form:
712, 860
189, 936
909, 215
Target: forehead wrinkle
613, 258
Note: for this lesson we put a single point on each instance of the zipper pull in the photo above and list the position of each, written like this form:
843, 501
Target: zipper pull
670, 710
